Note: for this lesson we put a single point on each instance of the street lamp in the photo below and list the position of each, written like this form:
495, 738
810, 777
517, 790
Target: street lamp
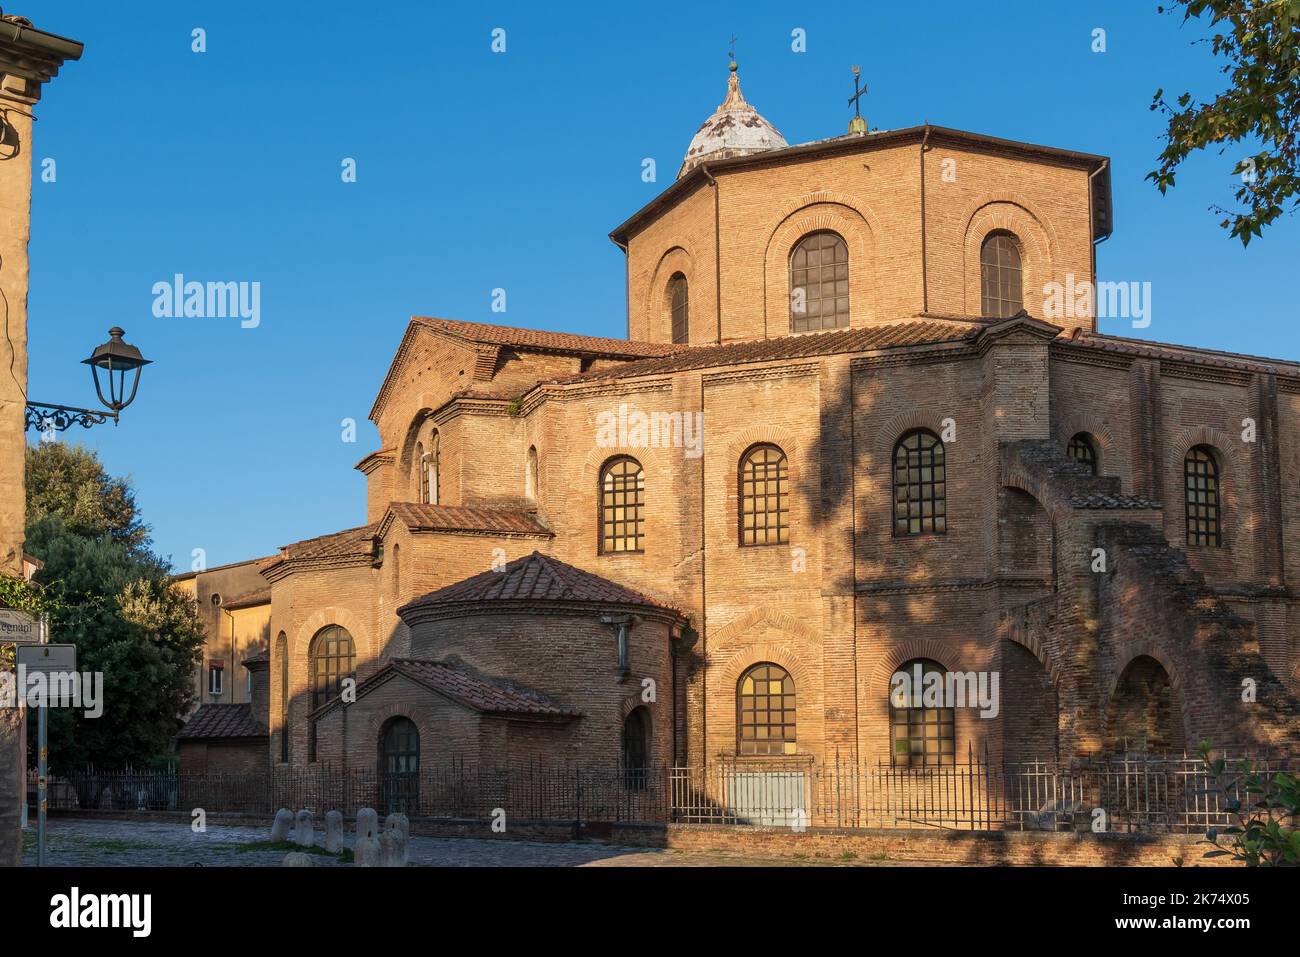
116, 359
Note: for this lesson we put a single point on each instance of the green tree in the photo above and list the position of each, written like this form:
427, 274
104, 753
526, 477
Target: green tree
69, 481
116, 604
1259, 42
1265, 807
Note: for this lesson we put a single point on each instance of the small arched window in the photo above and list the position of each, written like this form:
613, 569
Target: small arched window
1001, 283
1083, 450
636, 749
679, 302
920, 485
428, 460
530, 475
333, 659
764, 496
924, 730
282, 660
819, 283
1204, 504
397, 570
622, 506
765, 711
420, 476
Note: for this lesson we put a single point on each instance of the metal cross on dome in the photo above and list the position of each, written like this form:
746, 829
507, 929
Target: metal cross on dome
857, 124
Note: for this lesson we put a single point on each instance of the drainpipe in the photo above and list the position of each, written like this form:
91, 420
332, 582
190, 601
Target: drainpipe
925, 278
717, 248
1105, 164
627, 286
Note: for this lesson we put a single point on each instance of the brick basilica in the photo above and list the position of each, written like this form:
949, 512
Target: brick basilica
850, 442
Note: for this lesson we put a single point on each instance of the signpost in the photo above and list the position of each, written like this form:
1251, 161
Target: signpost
18, 627
49, 660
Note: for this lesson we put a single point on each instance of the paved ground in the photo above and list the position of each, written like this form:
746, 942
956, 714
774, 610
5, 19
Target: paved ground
81, 842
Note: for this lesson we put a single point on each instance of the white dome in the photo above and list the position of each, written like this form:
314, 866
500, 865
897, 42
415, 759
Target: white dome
734, 129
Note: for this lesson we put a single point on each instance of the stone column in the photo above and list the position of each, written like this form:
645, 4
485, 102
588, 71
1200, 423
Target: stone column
29, 58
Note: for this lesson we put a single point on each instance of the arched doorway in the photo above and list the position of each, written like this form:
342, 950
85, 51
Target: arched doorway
1143, 713
399, 766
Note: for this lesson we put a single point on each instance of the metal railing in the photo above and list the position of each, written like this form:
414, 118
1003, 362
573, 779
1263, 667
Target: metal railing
1127, 792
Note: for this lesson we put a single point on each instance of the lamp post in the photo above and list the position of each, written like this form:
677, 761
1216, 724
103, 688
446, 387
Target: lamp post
116, 359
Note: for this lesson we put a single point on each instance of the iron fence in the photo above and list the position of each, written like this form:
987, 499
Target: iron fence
1128, 792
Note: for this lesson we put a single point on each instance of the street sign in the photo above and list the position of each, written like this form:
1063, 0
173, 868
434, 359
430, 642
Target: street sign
18, 627
47, 658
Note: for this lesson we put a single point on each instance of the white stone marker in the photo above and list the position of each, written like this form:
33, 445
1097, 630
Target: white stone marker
333, 832
304, 829
280, 828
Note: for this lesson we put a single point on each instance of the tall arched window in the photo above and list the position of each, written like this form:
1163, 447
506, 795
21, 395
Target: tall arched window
429, 470
819, 283
636, 748
920, 485
622, 506
681, 308
333, 658
1082, 450
397, 570
765, 711
530, 474
282, 660
924, 730
421, 476
1204, 506
764, 496
399, 766
1002, 292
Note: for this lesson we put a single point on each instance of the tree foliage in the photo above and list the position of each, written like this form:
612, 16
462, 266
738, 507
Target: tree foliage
117, 605
1259, 42
69, 481
1266, 811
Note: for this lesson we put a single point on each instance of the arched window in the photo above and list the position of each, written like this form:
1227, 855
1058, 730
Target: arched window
397, 570
420, 475
1001, 283
819, 283
920, 485
1082, 450
530, 475
622, 506
399, 766
765, 711
1204, 507
764, 496
333, 658
677, 296
428, 470
636, 749
282, 659
924, 731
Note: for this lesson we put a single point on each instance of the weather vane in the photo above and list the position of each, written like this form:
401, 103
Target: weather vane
857, 124
731, 51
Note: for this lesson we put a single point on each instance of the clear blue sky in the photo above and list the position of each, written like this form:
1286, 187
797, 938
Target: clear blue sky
479, 170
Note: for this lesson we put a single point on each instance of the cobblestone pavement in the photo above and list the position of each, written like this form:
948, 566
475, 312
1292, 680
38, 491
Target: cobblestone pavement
81, 842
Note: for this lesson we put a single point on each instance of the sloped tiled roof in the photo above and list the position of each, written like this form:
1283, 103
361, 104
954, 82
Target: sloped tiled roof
262, 657
248, 600
457, 518
534, 578
349, 543
491, 695
548, 341
1190, 355
222, 721
1103, 500
910, 333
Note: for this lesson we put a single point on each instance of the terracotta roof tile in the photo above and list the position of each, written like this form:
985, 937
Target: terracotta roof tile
349, 543
248, 600
492, 695
547, 341
262, 657
222, 721
1188, 354
915, 332
534, 578
455, 518
1102, 500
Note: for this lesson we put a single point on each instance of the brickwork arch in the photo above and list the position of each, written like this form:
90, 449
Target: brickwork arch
657, 320
892, 429
841, 214
1108, 450
362, 641
1037, 245
1233, 478
1117, 705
